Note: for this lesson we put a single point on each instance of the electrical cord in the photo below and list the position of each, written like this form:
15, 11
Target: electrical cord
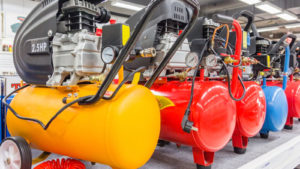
45, 127
229, 84
186, 124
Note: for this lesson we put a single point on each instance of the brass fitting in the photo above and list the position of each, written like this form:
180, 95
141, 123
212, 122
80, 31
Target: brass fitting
148, 53
181, 76
297, 70
97, 79
229, 60
249, 61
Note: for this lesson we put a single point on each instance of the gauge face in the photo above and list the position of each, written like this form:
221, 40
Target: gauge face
211, 61
192, 59
109, 55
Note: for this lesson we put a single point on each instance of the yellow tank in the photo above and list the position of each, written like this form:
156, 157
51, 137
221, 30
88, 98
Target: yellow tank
121, 133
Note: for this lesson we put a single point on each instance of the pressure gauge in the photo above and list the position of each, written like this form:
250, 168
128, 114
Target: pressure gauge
191, 59
109, 54
210, 61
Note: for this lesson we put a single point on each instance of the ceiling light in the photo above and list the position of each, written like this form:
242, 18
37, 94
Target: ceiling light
287, 16
269, 8
126, 5
251, 2
266, 29
295, 25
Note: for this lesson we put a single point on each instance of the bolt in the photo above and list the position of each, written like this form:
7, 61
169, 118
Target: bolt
50, 33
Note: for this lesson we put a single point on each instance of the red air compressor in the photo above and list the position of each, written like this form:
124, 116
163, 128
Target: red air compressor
196, 112
251, 107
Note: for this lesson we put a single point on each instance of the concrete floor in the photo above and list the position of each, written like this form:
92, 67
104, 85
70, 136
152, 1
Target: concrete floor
170, 157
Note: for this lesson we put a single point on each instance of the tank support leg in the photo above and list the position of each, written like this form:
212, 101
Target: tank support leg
239, 142
264, 134
203, 159
289, 123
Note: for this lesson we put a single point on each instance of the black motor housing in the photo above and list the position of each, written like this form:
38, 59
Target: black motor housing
174, 18
32, 51
33, 41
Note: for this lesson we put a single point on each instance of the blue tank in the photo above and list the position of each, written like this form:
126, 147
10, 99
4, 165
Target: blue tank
277, 109
277, 104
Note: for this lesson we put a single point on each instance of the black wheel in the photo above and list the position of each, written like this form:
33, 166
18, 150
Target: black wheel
16, 153
288, 127
299, 119
203, 167
239, 150
162, 143
264, 135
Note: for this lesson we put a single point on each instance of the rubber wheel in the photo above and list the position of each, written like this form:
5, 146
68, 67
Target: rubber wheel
288, 127
239, 150
15, 153
264, 135
203, 167
162, 143
299, 119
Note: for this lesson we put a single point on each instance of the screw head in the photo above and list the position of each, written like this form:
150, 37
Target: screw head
50, 33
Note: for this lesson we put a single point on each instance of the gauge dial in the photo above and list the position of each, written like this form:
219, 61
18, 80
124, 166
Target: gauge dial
109, 55
211, 61
192, 59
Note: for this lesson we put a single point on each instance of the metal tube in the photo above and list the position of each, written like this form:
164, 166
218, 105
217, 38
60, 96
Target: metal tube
286, 67
237, 56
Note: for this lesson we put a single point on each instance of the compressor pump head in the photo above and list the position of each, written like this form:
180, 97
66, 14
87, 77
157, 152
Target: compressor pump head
62, 42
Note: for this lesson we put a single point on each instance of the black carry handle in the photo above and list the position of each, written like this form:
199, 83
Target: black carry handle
295, 47
281, 42
247, 14
195, 4
124, 53
223, 19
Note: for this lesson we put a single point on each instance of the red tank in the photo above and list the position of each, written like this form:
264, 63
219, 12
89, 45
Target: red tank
251, 113
213, 113
251, 110
292, 92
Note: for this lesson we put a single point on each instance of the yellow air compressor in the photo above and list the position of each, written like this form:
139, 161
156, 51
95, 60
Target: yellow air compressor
72, 106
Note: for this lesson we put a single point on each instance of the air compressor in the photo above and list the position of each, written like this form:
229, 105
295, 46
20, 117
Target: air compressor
71, 99
288, 65
268, 55
193, 100
293, 88
192, 111
251, 108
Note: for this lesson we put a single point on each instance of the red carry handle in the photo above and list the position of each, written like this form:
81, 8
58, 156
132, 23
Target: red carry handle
238, 47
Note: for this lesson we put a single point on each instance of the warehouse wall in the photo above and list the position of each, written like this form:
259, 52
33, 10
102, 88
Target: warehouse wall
11, 10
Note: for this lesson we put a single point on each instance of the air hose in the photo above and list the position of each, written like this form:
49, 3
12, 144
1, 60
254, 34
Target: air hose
45, 127
229, 84
61, 164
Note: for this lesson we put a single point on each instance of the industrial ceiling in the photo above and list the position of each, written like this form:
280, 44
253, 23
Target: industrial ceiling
229, 7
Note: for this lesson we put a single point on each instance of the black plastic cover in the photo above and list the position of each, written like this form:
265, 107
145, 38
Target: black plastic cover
174, 13
32, 55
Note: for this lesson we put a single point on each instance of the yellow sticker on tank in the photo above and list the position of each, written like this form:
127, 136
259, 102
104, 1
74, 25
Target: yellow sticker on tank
164, 102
